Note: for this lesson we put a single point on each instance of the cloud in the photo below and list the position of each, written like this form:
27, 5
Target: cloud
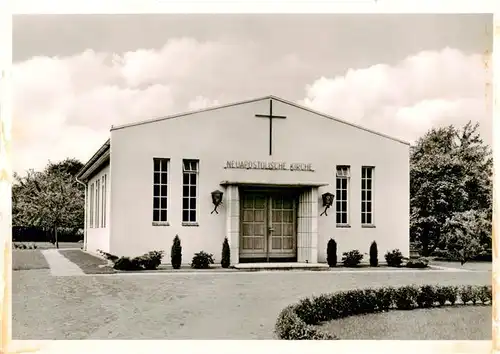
65, 106
422, 91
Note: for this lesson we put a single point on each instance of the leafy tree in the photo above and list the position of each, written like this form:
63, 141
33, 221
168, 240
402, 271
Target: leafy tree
451, 172
467, 234
48, 199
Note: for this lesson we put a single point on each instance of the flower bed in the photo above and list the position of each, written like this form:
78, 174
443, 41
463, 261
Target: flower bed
298, 321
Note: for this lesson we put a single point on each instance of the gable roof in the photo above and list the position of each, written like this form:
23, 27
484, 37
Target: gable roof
123, 126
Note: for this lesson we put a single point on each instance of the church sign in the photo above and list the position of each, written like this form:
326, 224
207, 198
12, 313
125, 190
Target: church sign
267, 165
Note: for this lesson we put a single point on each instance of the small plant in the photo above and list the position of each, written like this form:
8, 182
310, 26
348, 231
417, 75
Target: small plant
176, 253
394, 258
418, 263
467, 294
331, 253
484, 294
373, 254
226, 254
202, 260
385, 298
405, 297
151, 260
126, 263
450, 293
351, 258
426, 296
440, 293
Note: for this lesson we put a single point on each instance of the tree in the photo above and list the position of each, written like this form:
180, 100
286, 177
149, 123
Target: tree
48, 200
466, 234
451, 172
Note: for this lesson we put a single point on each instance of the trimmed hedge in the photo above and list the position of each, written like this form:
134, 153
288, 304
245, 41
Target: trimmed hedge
298, 321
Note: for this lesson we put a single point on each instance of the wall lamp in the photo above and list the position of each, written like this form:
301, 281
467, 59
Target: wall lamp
216, 200
327, 201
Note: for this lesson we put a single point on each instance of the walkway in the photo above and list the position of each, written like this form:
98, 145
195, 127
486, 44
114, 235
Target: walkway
60, 265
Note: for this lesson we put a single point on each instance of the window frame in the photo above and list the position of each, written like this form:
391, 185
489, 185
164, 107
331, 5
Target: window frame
91, 206
342, 172
164, 168
371, 201
97, 201
190, 171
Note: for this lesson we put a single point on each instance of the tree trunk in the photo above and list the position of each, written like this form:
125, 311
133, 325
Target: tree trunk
55, 236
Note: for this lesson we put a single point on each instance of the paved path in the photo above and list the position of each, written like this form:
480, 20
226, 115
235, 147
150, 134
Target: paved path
182, 306
60, 265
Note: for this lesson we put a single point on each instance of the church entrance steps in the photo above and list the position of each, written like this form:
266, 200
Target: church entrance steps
281, 266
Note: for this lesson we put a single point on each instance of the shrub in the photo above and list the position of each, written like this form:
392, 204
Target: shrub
418, 263
484, 294
467, 294
176, 253
226, 254
440, 295
151, 260
426, 296
331, 253
451, 293
126, 263
202, 260
394, 258
373, 254
405, 297
298, 321
351, 258
385, 298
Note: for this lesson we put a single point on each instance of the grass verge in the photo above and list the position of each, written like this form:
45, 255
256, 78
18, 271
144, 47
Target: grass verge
28, 260
88, 263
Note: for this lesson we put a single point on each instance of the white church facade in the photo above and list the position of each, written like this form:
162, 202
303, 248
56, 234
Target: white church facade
288, 179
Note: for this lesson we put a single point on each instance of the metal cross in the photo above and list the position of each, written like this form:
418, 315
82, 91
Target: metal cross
270, 116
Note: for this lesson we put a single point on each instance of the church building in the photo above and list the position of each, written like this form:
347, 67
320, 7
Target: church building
277, 179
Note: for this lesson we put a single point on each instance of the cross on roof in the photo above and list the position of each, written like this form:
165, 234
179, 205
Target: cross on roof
270, 116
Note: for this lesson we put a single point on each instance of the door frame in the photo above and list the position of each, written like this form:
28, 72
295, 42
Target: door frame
269, 192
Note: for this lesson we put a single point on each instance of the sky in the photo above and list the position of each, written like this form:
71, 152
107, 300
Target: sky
76, 75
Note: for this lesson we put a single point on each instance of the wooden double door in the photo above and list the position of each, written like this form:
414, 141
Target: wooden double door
268, 226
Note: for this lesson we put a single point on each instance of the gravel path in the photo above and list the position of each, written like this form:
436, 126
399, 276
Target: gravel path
183, 306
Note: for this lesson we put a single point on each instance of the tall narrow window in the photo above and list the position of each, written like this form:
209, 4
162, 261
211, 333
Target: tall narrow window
366, 195
103, 199
342, 186
97, 198
91, 206
189, 190
160, 189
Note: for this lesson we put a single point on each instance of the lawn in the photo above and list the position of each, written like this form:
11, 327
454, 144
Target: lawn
48, 245
88, 263
449, 323
28, 260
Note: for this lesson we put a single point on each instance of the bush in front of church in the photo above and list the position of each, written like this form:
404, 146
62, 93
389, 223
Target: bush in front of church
351, 258
176, 253
202, 260
331, 253
373, 254
394, 258
226, 254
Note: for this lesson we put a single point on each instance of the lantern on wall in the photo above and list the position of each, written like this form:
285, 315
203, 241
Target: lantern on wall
327, 201
216, 200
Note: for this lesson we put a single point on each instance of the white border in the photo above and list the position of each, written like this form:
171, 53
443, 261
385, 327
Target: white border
158, 6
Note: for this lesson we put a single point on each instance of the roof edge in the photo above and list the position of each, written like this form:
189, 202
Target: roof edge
95, 161
256, 100
177, 115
